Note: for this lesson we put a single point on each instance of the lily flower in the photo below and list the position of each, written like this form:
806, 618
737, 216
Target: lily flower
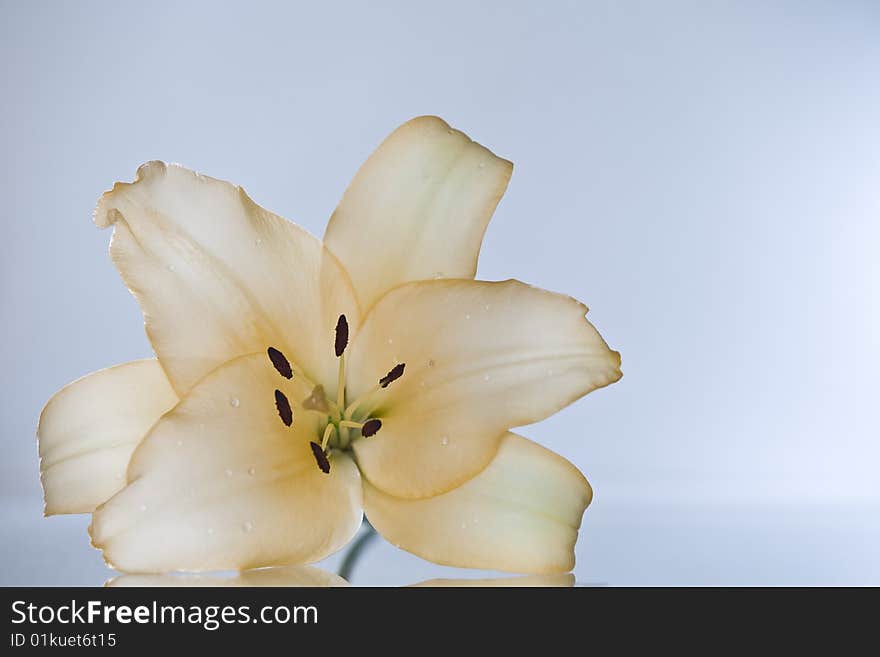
298, 383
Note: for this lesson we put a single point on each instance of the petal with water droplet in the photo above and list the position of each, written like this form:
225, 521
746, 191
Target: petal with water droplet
199, 519
489, 375
417, 208
89, 429
521, 514
228, 295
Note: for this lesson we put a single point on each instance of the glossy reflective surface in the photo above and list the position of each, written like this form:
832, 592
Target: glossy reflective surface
663, 545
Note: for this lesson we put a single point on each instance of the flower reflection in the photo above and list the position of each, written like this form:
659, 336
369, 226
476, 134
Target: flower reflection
296, 576
309, 576
559, 580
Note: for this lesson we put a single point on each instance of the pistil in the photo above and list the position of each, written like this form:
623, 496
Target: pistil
317, 401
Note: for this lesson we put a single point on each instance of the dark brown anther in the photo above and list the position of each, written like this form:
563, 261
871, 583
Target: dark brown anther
341, 335
321, 458
284, 409
395, 373
371, 427
280, 362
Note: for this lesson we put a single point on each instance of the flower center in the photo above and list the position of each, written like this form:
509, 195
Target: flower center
342, 423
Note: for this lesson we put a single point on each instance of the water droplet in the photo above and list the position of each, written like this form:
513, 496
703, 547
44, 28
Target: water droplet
210, 531
201, 426
486, 307
390, 341
486, 377
180, 443
444, 441
234, 402
143, 507
476, 521
451, 131
437, 274
247, 527
170, 267
431, 363
252, 471
549, 372
482, 165
421, 384
467, 316
464, 525
258, 241
228, 472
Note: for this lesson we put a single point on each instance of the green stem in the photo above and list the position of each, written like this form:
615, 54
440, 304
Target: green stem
354, 552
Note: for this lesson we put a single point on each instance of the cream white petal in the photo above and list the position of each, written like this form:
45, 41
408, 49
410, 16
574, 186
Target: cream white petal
217, 276
480, 358
521, 514
89, 429
417, 209
298, 576
221, 483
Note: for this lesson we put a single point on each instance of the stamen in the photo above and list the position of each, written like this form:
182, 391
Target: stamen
321, 458
341, 344
352, 407
340, 383
317, 401
395, 373
280, 362
328, 431
371, 427
341, 335
392, 376
283, 407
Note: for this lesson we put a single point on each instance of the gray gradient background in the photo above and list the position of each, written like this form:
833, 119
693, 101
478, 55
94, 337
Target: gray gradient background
703, 175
